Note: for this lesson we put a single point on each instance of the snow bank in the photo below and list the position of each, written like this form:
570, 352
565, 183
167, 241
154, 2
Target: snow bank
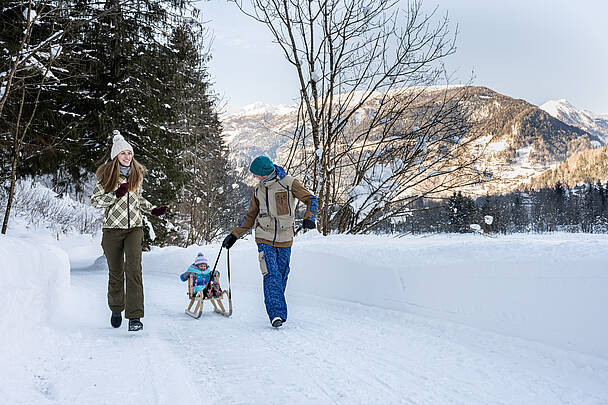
34, 283
35, 277
548, 288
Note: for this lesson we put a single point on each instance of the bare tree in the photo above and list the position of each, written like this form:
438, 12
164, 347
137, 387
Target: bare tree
372, 135
29, 70
26, 75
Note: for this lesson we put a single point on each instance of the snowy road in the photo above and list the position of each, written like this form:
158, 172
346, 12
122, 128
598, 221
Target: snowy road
330, 350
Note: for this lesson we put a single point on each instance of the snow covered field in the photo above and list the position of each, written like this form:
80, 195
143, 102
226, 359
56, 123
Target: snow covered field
423, 320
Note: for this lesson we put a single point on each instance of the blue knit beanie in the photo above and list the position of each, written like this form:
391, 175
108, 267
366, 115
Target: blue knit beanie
201, 259
262, 166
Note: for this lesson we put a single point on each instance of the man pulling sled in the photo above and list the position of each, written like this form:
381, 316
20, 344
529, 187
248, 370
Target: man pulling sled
271, 213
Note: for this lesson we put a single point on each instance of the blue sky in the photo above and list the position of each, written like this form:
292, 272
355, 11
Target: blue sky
535, 50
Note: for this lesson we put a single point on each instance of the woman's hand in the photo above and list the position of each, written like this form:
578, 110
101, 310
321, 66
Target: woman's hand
122, 190
158, 211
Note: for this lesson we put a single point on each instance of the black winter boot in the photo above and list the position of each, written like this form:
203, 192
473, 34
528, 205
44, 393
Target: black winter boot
135, 325
116, 319
277, 322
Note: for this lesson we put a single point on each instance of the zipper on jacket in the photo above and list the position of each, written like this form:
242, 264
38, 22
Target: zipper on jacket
288, 204
275, 231
128, 213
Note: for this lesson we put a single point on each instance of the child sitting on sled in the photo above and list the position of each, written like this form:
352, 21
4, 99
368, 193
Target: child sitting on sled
202, 273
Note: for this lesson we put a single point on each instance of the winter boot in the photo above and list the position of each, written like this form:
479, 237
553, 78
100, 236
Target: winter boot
116, 319
277, 322
135, 325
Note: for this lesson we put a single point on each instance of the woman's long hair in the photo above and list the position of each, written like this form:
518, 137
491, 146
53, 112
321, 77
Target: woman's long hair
108, 173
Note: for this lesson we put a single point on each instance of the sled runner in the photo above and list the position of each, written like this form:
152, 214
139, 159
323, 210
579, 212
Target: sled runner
212, 292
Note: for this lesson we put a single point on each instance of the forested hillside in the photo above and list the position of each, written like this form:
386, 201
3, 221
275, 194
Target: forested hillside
582, 167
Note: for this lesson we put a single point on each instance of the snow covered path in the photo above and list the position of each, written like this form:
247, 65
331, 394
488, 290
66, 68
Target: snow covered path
331, 350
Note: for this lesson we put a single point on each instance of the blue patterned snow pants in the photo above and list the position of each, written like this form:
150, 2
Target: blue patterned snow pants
275, 281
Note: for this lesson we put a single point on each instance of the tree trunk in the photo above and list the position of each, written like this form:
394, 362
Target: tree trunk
11, 192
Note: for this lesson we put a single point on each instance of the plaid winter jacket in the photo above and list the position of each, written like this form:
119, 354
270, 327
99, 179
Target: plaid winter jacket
121, 213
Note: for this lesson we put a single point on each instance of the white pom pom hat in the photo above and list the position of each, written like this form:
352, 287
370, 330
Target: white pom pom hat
119, 144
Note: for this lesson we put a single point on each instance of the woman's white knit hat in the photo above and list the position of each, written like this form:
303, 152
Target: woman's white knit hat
119, 144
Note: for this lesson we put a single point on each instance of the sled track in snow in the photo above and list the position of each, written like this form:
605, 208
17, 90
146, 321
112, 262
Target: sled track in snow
329, 351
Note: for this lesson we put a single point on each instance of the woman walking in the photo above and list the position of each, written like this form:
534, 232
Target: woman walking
118, 192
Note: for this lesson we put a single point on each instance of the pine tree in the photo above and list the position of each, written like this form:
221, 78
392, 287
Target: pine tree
205, 189
30, 125
462, 212
117, 71
518, 213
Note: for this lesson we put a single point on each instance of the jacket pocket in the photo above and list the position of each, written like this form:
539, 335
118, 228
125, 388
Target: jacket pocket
282, 201
262, 260
264, 221
286, 223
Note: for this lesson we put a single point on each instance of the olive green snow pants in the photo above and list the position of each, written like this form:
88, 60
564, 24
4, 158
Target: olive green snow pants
122, 248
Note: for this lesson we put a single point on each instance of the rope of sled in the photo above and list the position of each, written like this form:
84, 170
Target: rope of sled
209, 283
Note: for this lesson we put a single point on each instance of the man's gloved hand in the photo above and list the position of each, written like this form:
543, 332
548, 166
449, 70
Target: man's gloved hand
309, 223
158, 211
122, 190
229, 241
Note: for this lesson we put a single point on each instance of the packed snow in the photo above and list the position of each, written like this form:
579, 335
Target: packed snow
413, 319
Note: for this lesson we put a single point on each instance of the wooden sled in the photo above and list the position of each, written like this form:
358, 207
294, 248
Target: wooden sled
199, 299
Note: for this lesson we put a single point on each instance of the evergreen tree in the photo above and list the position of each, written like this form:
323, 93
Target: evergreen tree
30, 125
492, 206
206, 189
588, 214
557, 206
133, 66
462, 212
519, 213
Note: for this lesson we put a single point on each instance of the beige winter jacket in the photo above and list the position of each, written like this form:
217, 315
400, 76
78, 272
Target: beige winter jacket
272, 210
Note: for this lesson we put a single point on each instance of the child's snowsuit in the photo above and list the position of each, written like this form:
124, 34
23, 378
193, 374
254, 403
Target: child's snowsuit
201, 277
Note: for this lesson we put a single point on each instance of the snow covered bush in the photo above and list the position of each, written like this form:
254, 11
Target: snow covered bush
40, 206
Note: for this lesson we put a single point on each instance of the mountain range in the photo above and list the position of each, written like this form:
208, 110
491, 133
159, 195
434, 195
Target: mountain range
586, 120
520, 140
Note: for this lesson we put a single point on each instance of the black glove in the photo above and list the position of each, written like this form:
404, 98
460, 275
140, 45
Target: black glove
229, 241
309, 223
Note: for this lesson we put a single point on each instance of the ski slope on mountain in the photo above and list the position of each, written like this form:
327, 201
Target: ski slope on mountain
372, 319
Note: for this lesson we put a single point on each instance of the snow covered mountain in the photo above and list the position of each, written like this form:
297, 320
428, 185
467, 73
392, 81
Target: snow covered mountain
587, 166
258, 129
520, 139
596, 124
